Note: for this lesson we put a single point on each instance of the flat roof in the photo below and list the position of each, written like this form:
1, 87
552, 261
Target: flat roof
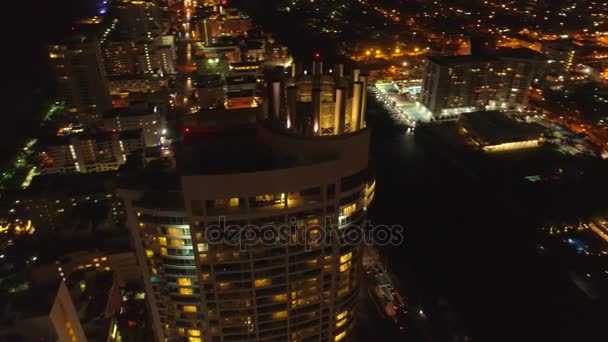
495, 127
130, 111
215, 150
131, 134
457, 60
72, 184
33, 302
231, 150
519, 53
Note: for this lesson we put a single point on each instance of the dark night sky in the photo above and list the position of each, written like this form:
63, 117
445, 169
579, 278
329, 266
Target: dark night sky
28, 26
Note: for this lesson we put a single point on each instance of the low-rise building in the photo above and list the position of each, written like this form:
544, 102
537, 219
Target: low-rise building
495, 131
145, 117
85, 153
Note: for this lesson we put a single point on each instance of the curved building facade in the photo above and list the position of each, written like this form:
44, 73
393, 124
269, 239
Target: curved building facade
323, 102
247, 242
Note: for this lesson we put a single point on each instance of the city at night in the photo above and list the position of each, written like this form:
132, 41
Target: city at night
304, 170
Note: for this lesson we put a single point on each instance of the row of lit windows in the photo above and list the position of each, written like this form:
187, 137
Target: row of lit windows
174, 242
275, 199
191, 332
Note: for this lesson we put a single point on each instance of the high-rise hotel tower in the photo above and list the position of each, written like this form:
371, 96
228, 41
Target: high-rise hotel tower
209, 226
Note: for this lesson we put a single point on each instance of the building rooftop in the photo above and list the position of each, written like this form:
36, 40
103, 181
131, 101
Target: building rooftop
212, 151
209, 81
130, 134
494, 128
240, 79
72, 184
223, 117
234, 150
457, 60
519, 53
134, 109
33, 302
156, 175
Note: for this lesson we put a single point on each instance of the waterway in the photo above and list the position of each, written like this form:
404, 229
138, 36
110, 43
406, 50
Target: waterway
471, 220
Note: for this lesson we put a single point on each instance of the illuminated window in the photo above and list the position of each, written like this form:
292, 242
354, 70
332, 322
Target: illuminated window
314, 235
162, 240
262, 282
194, 339
184, 281
346, 257
345, 267
95, 259
206, 276
203, 247
280, 297
175, 231
176, 242
192, 332
340, 336
163, 251
343, 291
341, 323
341, 315
313, 222
203, 256
189, 308
185, 291
349, 210
225, 286
104, 259
234, 202
181, 331
279, 315
154, 271
149, 253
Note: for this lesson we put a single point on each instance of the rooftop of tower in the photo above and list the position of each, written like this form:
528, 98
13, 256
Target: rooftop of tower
206, 151
518, 53
236, 150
